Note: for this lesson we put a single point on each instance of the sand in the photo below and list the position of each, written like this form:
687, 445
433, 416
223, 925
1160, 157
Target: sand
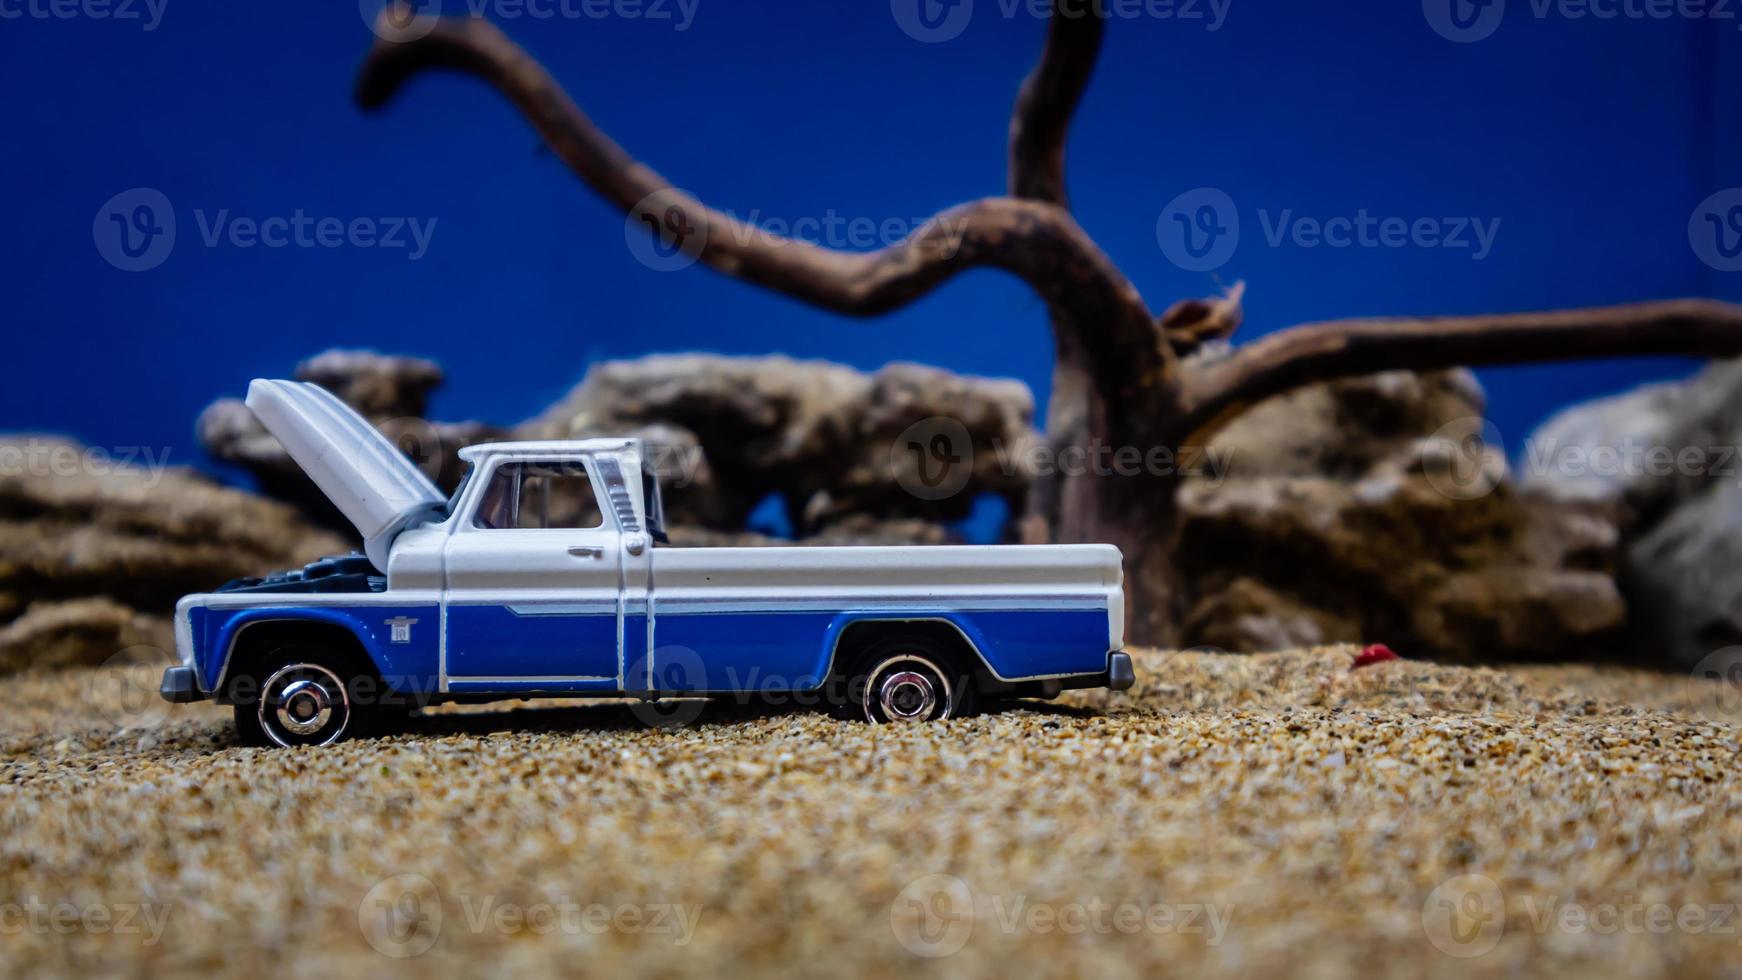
1232, 816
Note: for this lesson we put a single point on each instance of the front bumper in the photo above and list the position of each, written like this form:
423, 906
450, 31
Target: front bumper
180, 687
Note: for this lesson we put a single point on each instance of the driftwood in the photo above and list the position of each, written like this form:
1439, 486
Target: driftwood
1123, 375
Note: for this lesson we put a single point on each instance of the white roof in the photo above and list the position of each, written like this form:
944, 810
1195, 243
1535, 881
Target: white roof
552, 447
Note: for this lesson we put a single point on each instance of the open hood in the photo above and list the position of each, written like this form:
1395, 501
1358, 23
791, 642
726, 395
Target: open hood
367, 478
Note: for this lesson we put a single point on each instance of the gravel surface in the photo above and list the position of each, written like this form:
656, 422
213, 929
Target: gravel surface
1238, 816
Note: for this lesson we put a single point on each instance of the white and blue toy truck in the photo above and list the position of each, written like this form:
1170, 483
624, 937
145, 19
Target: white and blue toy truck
547, 574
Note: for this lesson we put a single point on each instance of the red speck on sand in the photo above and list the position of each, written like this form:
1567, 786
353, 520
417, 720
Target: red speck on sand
1374, 653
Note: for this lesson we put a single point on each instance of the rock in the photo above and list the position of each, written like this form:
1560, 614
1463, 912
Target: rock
1630, 448
379, 387
391, 392
83, 536
1684, 578
822, 436
724, 434
1342, 517
79, 633
1667, 456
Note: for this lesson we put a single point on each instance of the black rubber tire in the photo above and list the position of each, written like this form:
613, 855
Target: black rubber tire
354, 697
955, 696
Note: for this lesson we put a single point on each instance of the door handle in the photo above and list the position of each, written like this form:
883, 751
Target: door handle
586, 551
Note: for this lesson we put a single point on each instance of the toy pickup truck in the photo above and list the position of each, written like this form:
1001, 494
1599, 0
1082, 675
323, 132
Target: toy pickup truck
548, 574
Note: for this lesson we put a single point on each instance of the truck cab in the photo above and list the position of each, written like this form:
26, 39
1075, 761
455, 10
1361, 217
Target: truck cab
548, 574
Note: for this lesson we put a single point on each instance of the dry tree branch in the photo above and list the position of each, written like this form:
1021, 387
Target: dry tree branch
1035, 241
1191, 323
1323, 351
1049, 95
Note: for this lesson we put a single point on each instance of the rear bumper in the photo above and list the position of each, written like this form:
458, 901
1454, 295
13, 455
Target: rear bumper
1121, 675
180, 687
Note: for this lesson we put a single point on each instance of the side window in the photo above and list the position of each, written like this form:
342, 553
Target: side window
538, 496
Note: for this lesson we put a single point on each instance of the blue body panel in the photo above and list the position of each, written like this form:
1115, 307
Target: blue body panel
411, 665
533, 640
566, 648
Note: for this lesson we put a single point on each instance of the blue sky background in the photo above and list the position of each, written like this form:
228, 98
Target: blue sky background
1591, 141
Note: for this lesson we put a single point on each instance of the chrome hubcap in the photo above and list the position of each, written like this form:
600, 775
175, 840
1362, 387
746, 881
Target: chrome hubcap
304, 708
908, 688
907, 696
300, 701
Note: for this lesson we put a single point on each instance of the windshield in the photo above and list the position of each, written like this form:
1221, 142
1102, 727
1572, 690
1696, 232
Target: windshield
447, 509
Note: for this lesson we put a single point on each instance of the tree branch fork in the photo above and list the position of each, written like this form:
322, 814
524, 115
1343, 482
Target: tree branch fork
1138, 359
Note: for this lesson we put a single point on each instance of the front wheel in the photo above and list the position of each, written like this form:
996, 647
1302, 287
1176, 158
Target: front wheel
305, 698
910, 681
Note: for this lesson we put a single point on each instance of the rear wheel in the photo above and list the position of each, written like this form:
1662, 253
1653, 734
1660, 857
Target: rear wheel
907, 680
307, 696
